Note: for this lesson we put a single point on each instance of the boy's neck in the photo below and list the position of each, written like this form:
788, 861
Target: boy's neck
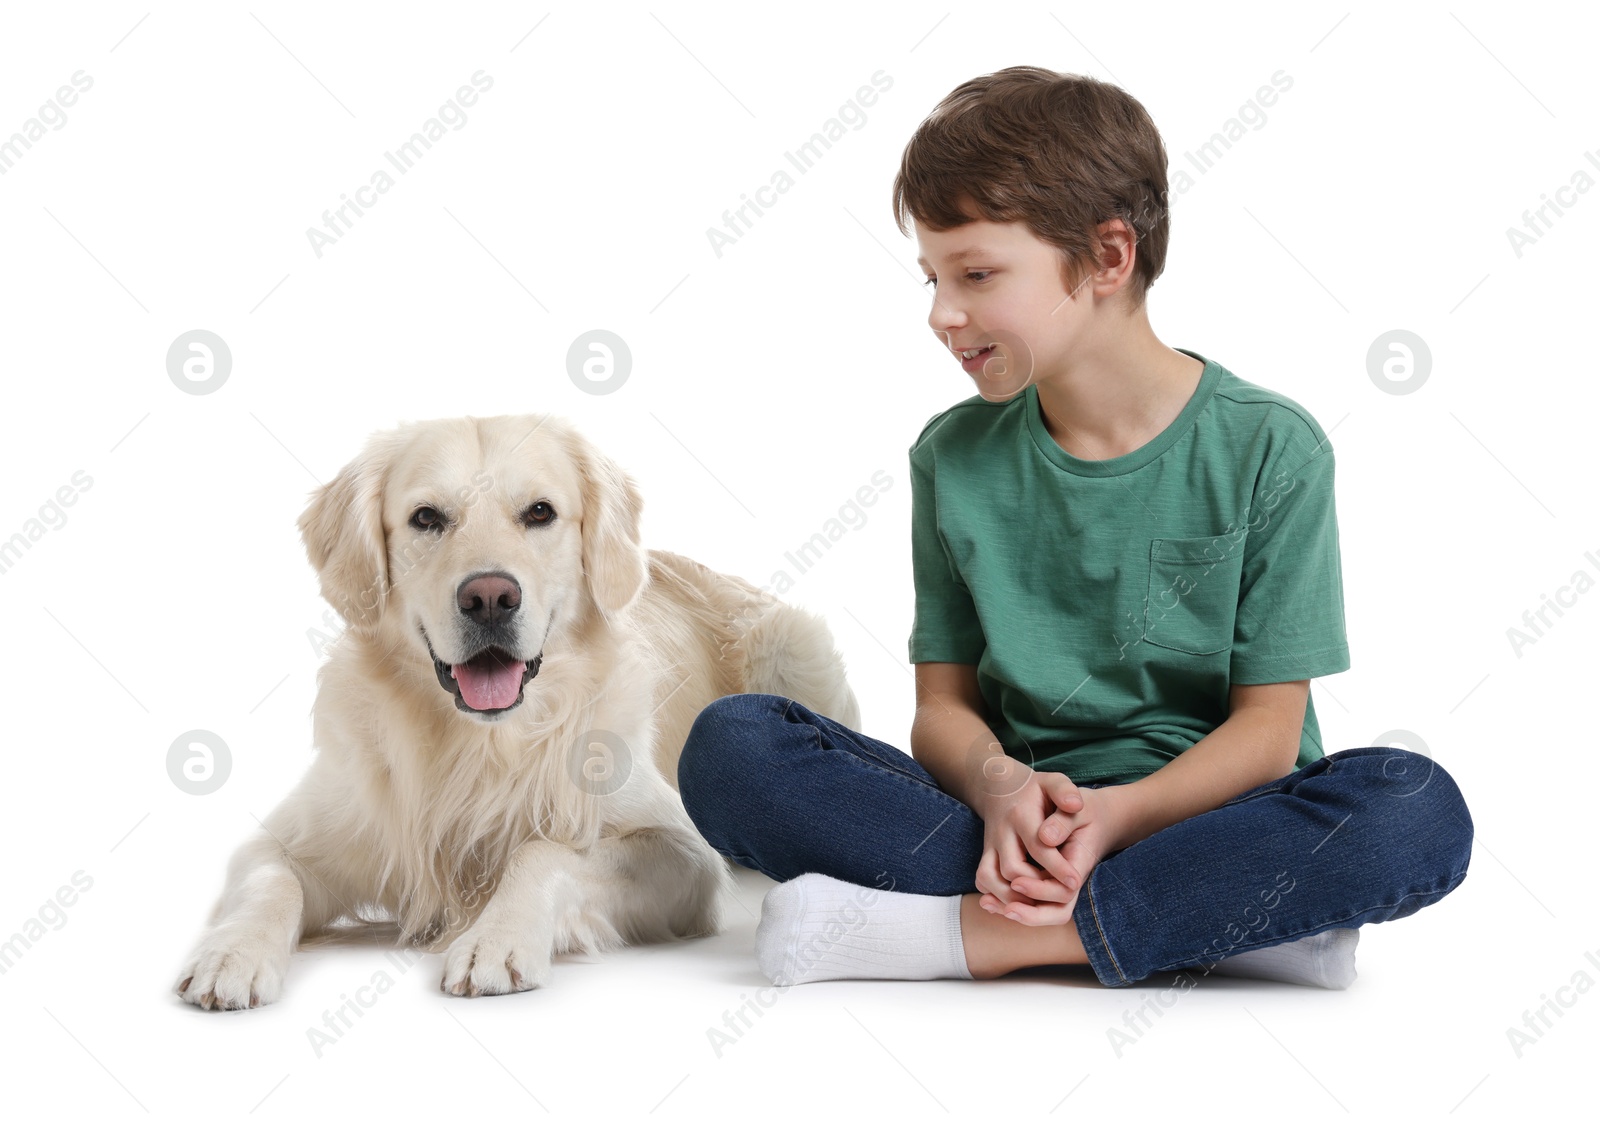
1119, 393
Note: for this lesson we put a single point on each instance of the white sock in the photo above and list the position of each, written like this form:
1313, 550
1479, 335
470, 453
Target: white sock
1327, 959
815, 928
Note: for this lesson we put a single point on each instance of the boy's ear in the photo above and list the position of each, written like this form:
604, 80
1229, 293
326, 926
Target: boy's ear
614, 563
343, 532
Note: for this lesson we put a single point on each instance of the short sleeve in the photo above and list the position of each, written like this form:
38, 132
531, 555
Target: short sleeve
1290, 622
946, 626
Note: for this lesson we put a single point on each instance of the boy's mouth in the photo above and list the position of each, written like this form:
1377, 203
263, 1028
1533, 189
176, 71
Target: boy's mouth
973, 353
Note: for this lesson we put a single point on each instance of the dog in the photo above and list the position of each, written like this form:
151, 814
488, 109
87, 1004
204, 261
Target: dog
498, 728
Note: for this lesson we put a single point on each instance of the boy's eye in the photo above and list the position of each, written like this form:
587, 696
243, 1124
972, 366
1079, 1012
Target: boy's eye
975, 276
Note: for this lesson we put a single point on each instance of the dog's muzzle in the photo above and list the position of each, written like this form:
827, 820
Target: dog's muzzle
487, 684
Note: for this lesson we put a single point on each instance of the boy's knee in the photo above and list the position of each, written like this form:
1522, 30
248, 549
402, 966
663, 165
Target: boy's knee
740, 708
723, 742
1402, 774
1419, 801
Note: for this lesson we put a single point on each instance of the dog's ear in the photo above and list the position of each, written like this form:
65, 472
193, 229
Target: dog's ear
343, 532
613, 558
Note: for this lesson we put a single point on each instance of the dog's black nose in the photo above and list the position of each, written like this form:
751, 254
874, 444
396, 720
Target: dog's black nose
489, 599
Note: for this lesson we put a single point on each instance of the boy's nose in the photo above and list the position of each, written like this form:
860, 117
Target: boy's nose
943, 318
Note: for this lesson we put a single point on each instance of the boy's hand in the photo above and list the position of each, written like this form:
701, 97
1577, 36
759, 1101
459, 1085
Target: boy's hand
1014, 805
1080, 838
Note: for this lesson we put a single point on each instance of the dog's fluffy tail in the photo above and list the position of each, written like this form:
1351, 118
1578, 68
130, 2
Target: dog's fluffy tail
790, 652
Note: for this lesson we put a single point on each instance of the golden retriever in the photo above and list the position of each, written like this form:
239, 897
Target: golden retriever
498, 729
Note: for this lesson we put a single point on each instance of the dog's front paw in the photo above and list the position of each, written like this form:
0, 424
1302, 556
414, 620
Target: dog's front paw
491, 960
234, 970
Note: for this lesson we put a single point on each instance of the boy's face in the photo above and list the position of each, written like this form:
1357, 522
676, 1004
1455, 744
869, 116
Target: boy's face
1006, 297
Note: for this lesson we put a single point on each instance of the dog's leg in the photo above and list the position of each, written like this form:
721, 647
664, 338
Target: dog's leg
658, 883
241, 959
648, 885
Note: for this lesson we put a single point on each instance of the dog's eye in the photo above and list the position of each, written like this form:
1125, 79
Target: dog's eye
427, 519
540, 512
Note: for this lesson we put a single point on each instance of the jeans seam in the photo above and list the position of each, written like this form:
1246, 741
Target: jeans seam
860, 753
924, 786
911, 776
908, 776
750, 863
1105, 945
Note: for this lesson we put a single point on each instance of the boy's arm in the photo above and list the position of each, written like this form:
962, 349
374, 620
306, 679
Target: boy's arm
1258, 742
949, 725
952, 741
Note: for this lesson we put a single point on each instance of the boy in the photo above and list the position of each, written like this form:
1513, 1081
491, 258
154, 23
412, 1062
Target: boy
1127, 571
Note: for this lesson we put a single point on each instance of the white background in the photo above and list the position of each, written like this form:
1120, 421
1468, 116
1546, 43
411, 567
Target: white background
769, 384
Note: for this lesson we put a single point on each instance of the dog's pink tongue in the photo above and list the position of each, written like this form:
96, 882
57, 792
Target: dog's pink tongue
488, 682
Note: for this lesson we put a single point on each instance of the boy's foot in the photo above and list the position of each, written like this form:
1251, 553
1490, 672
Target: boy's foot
1327, 959
815, 927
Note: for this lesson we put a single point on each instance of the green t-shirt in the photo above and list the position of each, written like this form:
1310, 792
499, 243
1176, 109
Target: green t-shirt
1108, 605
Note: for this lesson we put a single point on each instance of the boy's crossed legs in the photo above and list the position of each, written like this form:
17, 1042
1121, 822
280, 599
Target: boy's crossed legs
1272, 884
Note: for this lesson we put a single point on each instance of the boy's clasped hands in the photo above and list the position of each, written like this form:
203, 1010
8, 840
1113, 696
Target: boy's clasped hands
1043, 815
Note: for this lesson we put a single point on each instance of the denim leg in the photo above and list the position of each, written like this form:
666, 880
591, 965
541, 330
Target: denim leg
783, 790
1362, 836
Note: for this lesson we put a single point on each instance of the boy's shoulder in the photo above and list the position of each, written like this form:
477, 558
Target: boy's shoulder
1276, 408
962, 423
1278, 423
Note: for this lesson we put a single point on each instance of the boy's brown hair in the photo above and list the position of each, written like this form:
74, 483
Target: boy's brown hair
1060, 152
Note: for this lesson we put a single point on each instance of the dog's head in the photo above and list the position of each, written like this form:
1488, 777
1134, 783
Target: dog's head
469, 540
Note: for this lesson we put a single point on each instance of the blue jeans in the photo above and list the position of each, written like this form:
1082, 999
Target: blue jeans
1360, 836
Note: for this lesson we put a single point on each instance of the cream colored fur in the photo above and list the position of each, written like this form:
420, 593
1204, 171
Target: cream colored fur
553, 827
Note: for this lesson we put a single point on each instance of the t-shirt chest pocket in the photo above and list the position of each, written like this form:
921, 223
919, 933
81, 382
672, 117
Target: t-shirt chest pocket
1193, 593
